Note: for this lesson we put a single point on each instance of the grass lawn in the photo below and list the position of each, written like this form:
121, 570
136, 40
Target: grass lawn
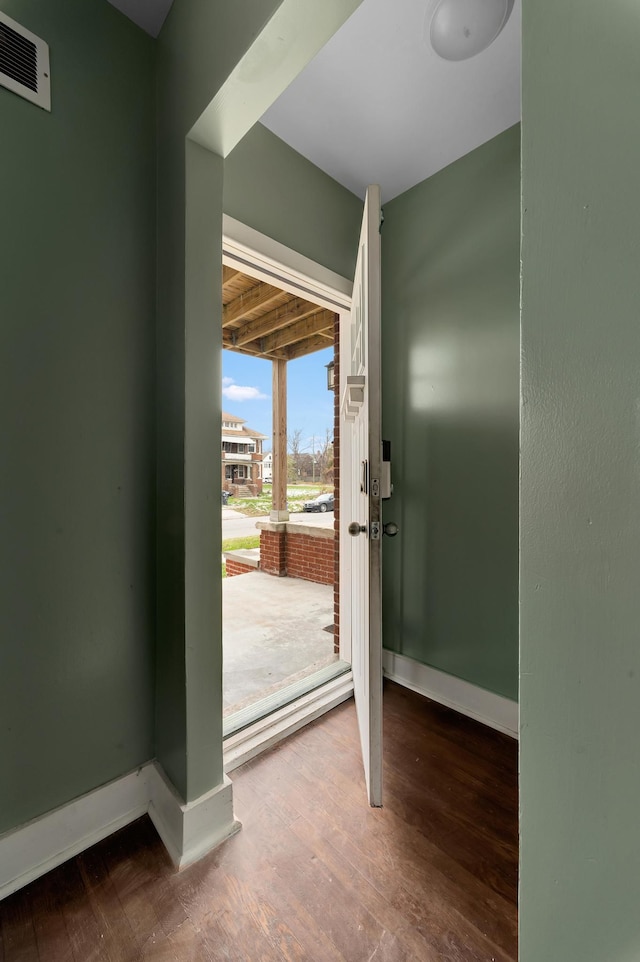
234, 544
296, 494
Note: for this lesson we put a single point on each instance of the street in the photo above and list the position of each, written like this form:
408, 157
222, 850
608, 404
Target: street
235, 525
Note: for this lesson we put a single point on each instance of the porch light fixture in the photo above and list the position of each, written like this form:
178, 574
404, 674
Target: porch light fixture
460, 29
331, 376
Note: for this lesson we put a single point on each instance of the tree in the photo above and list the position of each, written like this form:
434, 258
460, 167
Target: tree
324, 459
294, 443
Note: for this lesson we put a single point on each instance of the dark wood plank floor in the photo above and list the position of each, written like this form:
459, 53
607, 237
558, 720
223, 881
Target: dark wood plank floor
315, 874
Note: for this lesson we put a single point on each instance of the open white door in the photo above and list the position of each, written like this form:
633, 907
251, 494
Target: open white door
360, 491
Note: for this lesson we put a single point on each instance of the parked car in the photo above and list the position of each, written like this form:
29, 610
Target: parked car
324, 502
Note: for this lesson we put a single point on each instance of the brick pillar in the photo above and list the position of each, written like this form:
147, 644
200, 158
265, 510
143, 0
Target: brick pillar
273, 539
336, 483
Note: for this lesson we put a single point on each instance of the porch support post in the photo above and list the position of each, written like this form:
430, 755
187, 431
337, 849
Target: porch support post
279, 510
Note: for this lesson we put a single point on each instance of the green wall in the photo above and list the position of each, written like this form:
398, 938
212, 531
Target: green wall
198, 47
99, 520
77, 349
450, 338
580, 524
276, 190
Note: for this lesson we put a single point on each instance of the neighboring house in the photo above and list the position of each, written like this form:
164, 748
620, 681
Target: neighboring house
241, 456
267, 468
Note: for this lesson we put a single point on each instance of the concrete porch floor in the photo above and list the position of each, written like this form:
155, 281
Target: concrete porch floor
272, 634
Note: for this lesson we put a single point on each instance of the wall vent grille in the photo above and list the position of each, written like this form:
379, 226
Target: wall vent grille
24, 63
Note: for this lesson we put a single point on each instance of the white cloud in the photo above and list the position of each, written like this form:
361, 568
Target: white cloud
238, 392
226, 381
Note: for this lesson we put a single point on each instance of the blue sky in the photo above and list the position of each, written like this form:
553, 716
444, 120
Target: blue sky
246, 392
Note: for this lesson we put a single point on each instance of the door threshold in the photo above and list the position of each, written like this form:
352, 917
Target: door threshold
269, 704
268, 730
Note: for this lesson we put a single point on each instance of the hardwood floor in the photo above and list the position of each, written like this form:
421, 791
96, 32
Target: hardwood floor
315, 874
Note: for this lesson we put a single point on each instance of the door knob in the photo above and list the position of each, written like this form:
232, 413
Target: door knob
355, 528
390, 529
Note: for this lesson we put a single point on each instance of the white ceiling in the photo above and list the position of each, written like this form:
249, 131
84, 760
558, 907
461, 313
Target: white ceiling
148, 14
377, 106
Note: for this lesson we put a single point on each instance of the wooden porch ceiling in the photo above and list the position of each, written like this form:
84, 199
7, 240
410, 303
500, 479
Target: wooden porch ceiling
265, 321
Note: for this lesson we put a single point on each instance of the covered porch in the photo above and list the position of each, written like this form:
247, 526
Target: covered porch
265, 321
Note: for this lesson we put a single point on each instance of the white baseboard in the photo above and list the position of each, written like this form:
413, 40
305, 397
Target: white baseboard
266, 732
38, 846
486, 707
188, 831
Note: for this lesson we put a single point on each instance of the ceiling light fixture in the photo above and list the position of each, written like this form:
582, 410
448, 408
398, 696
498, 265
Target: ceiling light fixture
460, 29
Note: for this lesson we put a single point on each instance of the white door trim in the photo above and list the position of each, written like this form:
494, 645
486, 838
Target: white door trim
268, 260
272, 262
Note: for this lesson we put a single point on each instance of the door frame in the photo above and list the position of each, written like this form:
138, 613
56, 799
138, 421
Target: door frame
273, 262
270, 261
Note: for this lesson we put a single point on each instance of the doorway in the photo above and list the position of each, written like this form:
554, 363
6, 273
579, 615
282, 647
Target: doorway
283, 656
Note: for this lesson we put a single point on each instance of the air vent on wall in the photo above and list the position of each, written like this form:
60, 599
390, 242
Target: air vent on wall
24, 63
